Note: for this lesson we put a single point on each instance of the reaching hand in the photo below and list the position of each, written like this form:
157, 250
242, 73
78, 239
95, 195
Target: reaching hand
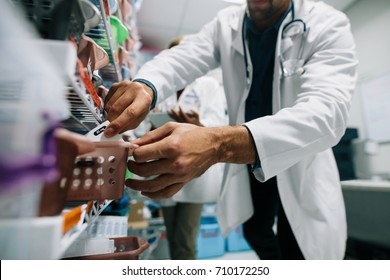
127, 104
173, 154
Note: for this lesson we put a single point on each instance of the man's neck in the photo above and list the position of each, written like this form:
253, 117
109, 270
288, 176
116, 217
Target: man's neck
262, 25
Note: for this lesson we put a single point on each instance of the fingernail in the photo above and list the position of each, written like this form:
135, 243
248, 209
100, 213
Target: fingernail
109, 131
132, 148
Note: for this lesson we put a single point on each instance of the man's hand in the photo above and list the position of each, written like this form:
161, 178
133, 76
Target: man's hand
127, 104
175, 154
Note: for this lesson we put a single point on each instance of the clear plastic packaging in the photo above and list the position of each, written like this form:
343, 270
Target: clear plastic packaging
126, 248
108, 226
90, 246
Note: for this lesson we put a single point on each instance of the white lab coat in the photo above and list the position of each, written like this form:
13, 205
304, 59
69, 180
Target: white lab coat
206, 97
310, 113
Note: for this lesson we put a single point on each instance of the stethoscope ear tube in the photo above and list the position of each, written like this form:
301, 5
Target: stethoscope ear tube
291, 29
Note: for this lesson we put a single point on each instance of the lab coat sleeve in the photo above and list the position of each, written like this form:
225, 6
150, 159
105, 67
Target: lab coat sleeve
179, 66
314, 107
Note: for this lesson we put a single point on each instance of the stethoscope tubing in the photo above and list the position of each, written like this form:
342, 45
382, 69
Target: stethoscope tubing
292, 21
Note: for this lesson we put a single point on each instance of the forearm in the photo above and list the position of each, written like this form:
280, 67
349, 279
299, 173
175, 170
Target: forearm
234, 144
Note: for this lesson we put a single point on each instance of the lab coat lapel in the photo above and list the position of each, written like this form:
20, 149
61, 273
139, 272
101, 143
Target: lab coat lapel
276, 103
287, 44
236, 24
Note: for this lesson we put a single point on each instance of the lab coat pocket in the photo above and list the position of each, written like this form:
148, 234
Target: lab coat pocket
235, 204
290, 82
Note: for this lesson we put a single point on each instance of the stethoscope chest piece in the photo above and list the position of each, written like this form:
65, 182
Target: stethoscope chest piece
292, 67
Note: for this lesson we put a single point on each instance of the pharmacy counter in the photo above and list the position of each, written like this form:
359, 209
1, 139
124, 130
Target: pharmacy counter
368, 210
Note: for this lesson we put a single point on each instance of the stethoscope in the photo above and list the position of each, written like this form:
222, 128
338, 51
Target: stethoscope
290, 67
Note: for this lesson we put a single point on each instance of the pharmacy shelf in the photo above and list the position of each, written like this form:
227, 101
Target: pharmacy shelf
42, 238
95, 210
49, 237
110, 72
84, 114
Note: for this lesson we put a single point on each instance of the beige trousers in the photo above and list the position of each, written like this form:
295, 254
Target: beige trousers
182, 222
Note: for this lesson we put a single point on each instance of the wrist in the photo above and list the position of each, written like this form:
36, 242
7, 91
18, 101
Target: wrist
235, 145
150, 89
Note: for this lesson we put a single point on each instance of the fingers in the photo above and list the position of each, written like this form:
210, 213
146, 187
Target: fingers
129, 116
158, 150
161, 143
183, 115
132, 147
111, 92
174, 115
153, 185
168, 153
169, 180
114, 93
126, 105
194, 114
163, 186
193, 118
155, 135
150, 168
